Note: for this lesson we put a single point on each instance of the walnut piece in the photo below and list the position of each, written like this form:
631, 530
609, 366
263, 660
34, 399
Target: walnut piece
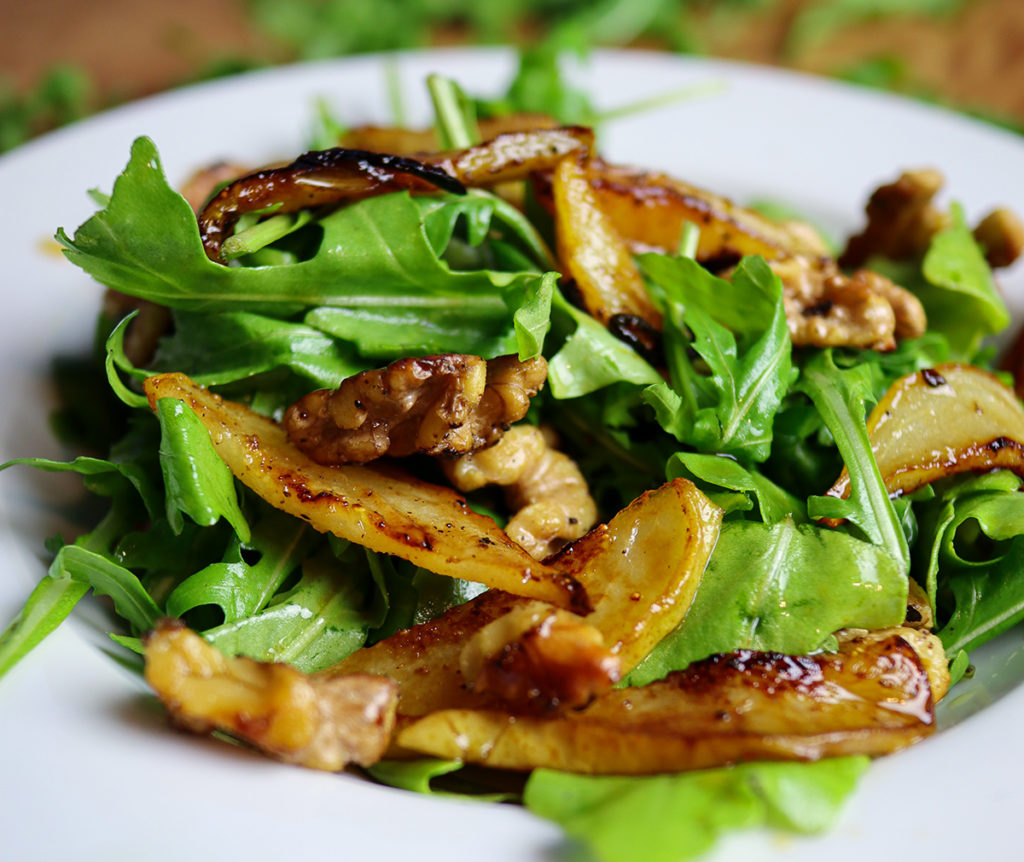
321, 721
544, 486
826, 308
1001, 235
437, 405
537, 658
902, 221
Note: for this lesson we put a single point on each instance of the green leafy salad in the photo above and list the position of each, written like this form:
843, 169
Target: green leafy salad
708, 388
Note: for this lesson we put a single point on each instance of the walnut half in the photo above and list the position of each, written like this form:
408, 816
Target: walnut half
551, 498
437, 405
827, 308
902, 219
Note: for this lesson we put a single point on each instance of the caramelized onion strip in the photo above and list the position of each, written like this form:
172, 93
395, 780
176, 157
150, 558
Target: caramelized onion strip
332, 176
313, 179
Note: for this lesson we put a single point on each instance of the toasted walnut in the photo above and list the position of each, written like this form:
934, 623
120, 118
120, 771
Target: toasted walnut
902, 222
438, 405
1001, 235
537, 658
544, 486
826, 308
319, 721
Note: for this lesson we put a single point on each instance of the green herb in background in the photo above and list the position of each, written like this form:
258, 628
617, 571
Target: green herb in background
817, 22
65, 94
318, 29
889, 73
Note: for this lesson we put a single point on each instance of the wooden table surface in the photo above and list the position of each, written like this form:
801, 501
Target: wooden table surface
974, 57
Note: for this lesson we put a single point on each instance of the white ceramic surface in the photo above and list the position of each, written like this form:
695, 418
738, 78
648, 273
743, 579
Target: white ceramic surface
88, 768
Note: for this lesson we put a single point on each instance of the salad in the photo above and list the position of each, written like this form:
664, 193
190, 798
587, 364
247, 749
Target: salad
619, 416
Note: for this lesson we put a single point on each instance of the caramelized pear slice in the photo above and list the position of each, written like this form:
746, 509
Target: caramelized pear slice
872, 697
649, 211
941, 421
593, 252
380, 508
642, 569
319, 722
397, 139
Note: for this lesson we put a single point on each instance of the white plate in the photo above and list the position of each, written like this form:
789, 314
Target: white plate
88, 769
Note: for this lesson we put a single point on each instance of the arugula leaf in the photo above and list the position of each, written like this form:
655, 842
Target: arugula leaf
396, 600
803, 451
539, 87
312, 626
386, 333
774, 502
65, 93
454, 114
198, 482
604, 433
839, 397
954, 283
46, 608
971, 552
730, 410
592, 358
215, 349
101, 477
417, 775
784, 588
485, 216
163, 559
106, 578
987, 600
962, 301
73, 571
373, 254
669, 818
250, 573
435, 594
742, 304
414, 775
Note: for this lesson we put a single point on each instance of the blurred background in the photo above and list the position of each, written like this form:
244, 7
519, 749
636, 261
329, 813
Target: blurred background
63, 59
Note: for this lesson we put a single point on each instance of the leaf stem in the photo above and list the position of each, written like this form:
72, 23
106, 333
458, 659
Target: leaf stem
455, 117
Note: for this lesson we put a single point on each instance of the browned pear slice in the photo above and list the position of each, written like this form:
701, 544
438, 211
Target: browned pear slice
872, 697
378, 507
592, 251
642, 570
649, 211
940, 421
